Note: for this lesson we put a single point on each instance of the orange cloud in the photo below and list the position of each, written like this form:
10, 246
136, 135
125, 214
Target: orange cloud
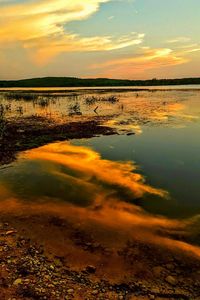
47, 48
39, 26
148, 59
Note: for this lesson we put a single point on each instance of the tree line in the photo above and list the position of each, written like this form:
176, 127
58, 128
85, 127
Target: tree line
93, 82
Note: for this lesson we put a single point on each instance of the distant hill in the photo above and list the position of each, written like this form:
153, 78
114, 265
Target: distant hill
97, 82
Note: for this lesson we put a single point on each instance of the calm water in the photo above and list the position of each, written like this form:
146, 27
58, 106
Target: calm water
151, 165
161, 87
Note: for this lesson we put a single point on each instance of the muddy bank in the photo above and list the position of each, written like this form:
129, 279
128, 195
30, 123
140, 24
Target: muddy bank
32, 132
35, 265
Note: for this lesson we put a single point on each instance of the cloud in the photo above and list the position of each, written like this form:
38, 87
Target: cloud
147, 59
49, 47
180, 39
41, 26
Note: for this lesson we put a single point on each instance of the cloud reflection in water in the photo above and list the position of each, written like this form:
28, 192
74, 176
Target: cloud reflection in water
107, 184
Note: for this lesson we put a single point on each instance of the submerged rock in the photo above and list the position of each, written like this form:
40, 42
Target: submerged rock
90, 269
157, 271
171, 280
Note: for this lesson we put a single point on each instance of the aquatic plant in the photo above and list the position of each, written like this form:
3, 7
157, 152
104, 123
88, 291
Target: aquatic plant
21, 96
43, 102
3, 122
75, 110
92, 100
20, 110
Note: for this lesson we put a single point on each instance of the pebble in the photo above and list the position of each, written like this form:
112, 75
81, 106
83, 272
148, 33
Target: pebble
171, 280
158, 271
155, 290
17, 281
170, 266
10, 232
70, 291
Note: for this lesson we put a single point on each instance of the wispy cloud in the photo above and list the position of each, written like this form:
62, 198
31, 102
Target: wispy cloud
46, 48
179, 39
147, 59
41, 26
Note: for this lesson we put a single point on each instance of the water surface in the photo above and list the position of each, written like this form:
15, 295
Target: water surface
146, 176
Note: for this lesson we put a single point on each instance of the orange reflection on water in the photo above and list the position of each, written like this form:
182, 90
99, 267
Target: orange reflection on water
108, 213
91, 166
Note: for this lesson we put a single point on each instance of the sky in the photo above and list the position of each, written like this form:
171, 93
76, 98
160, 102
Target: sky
129, 39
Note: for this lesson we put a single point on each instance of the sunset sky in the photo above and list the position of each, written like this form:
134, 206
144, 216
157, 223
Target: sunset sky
135, 39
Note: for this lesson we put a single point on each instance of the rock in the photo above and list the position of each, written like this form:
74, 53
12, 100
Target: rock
58, 263
170, 266
17, 281
155, 290
157, 271
70, 291
10, 232
171, 280
96, 245
90, 269
95, 292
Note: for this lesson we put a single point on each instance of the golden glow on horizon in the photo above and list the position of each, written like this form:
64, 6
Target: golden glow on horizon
37, 32
149, 59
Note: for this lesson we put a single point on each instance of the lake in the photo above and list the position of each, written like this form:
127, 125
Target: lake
145, 177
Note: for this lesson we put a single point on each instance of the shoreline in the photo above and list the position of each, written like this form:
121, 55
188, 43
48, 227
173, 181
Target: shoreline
164, 88
32, 132
32, 269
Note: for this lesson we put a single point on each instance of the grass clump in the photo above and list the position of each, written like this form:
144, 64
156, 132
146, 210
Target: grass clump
75, 110
92, 100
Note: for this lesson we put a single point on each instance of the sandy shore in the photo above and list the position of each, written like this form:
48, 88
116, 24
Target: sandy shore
44, 256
